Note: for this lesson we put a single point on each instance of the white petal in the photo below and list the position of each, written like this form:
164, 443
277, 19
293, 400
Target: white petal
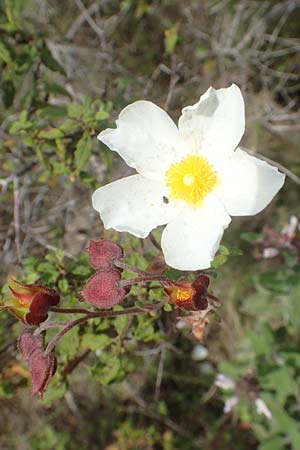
224, 382
134, 204
248, 184
262, 408
145, 137
230, 404
192, 239
215, 125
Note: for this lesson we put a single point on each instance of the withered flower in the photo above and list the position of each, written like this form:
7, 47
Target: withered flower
29, 302
190, 296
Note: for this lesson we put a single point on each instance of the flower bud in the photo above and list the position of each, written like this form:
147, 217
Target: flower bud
42, 366
103, 253
103, 289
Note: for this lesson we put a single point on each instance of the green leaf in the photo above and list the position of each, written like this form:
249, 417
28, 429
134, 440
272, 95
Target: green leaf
50, 62
96, 341
81, 270
69, 344
120, 323
52, 112
63, 285
219, 261
8, 93
102, 115
282, 382
251, 237
275, 443
171, 39
52, 133
76, 111
54, 88
83, 150
4, 53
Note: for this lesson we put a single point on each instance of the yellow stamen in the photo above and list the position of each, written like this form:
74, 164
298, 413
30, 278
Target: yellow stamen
191, 179
183, 295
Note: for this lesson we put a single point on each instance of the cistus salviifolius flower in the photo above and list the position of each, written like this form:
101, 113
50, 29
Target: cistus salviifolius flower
191, 178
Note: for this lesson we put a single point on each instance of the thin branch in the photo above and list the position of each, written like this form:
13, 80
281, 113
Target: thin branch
154, 242
159, 375
94, 8
101, 314
92, 24
70, 310
17, 218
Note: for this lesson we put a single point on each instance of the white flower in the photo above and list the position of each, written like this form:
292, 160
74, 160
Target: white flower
199, 352
230, 404
192, 178
262, 408
224, 382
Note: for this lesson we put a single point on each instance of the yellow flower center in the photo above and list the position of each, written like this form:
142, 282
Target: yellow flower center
183, 294
191, 179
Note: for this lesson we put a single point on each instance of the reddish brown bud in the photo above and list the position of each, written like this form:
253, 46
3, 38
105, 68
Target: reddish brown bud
103, 289
41, 366
30, 302
28, 342
103, 253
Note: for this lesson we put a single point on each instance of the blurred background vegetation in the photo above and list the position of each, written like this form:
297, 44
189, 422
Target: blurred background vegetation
67, 69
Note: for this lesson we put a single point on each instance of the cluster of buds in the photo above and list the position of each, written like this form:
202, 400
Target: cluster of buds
275, 243
106, 288
247, 388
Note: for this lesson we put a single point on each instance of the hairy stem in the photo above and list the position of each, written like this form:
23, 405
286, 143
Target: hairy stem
70, 310
129, 268
93, 315
144, 279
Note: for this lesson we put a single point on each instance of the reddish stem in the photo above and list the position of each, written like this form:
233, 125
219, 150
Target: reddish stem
129, 268
144, 279
92, 315
70, 310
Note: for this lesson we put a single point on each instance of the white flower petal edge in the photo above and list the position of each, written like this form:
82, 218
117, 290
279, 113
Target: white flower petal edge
262, 408
224, 382
216, 123
191, 240
248, 184
230, 404
145, 137
134, 204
